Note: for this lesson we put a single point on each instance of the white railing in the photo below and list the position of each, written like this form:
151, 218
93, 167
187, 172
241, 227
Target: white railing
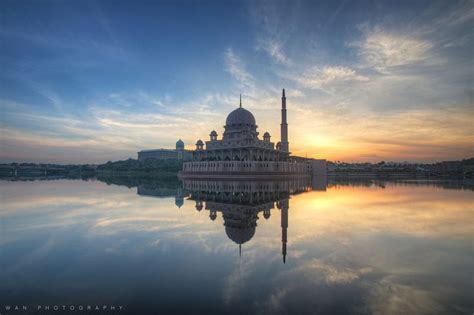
244, 167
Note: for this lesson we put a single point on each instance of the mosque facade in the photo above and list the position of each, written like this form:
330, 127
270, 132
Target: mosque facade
241, 152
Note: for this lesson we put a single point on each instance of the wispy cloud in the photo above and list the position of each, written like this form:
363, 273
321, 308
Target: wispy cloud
119, 124
357, 87
274, 48
317, 77
236, 67
274, 28
384, 51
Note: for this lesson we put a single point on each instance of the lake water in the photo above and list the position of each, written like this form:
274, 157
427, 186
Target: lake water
363, 247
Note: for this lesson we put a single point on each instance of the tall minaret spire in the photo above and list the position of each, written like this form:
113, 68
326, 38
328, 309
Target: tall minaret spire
284, 227
284, 125
240, 105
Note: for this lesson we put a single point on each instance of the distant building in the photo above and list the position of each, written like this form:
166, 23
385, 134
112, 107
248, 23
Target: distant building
167, 154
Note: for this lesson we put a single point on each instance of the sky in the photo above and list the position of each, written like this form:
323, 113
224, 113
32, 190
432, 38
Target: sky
92, 81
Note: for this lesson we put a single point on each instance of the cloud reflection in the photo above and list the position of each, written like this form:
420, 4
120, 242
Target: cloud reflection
391, 248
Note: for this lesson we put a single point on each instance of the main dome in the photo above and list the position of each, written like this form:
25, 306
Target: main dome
240, 236
240, 116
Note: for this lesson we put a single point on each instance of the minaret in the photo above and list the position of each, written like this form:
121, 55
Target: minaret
284, 227
284, 125
240, 105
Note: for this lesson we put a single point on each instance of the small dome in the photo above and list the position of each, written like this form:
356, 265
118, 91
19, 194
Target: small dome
266, 134
240, 116
180, 144
199, 142
240, 236
213, 133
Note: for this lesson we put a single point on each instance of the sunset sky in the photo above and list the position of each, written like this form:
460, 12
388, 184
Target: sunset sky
91, 81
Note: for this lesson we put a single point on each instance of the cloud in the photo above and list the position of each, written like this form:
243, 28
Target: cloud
318, 77
384, 51
236, 68
332, 274
117, 126
274, 26
427, 134
274, 49
389, 297
378, 90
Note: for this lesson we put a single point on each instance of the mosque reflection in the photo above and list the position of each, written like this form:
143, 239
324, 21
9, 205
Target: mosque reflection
240, 203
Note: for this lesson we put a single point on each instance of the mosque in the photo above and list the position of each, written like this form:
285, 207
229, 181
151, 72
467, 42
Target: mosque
241, 153
241, 202
240, 141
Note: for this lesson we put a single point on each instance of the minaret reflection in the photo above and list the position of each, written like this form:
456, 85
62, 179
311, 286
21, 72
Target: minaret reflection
283, 206
240, 202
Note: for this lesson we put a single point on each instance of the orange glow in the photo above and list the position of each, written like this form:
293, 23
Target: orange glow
400, 209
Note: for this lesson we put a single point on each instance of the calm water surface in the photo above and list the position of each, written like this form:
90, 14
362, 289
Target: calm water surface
351, 248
